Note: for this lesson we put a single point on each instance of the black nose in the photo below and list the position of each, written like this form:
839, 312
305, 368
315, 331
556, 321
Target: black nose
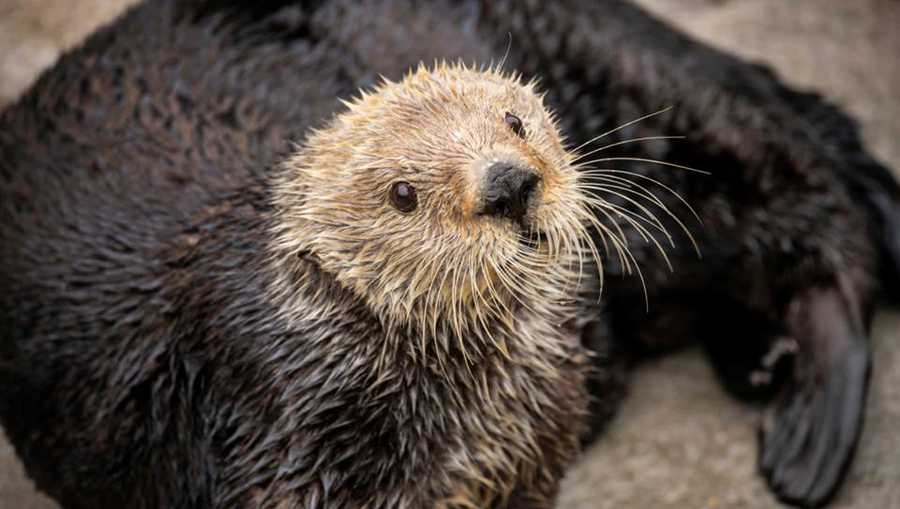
507, 189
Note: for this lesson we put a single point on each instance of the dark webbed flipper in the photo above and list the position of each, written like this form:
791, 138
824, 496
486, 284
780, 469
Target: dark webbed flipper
807, 442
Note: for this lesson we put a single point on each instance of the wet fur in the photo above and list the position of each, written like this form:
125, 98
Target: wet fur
256, 344
170, 102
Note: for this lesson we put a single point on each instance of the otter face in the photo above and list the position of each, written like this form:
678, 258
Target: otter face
445, 198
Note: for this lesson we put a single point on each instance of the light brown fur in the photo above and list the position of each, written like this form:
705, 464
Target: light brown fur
438, 130
458, 282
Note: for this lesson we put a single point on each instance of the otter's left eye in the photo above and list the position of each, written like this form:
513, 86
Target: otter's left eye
403, 197
515, 123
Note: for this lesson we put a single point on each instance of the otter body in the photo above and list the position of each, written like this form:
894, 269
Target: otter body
207, 324
216, 399
166, 340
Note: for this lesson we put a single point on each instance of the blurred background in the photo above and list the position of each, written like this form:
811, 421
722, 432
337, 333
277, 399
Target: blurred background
679, 441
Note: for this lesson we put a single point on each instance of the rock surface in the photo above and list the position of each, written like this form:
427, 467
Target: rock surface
679, 440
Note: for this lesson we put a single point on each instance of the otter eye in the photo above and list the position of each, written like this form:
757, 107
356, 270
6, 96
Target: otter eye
515, 123
403, 197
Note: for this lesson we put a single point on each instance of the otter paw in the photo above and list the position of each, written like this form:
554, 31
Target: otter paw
806, 449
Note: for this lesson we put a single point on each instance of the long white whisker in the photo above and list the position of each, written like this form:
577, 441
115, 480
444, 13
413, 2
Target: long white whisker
604, 171
646, 234
644, 160
623, 126
630, 257
623, 142
647, 195
614, 190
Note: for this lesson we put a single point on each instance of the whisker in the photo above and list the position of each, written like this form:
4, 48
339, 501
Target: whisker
650, 218
674, 193
647, 195
506, 278
624, 142
484, 327
623, 126
626, 265
585, 237
647, 236
644, 160
506, 55
619, 240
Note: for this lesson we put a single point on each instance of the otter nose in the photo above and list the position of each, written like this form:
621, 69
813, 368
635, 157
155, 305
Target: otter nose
507, 189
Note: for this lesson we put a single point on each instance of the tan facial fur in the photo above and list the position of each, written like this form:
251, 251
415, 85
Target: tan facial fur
442, 264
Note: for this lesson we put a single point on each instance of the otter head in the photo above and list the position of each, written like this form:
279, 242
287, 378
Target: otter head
444, 200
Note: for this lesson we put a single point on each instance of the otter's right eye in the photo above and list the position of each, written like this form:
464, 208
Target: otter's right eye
515, 123
403, 197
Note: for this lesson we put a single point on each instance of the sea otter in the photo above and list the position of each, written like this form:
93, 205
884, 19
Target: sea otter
147, 352
381, 319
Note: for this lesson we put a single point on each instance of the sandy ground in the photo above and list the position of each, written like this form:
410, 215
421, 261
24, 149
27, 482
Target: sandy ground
679, 441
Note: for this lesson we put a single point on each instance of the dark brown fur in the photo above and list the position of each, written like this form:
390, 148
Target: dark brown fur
179, 360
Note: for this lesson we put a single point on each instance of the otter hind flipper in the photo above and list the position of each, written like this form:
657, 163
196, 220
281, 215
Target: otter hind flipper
808, 440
